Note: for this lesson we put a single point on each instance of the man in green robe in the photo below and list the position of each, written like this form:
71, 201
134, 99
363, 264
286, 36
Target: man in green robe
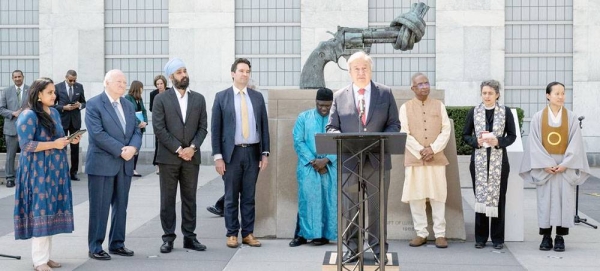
316, 175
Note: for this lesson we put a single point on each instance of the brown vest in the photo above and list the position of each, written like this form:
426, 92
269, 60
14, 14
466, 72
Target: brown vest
425, 124
555, 139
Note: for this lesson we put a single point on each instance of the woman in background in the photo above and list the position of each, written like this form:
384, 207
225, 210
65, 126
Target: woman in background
489, 129
556, 162
135, 96
43, 198
160, 82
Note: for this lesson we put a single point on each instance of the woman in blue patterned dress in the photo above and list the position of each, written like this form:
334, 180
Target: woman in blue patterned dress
43, 201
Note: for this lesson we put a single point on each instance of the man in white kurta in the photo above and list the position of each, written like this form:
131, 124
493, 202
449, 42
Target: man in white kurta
426, 123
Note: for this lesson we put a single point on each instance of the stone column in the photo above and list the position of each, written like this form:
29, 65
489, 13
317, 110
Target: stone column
586, 78
202, 34
72, 38
469, 48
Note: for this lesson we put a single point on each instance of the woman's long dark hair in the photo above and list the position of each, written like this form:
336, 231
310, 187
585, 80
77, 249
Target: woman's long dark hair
36, 106
136, 90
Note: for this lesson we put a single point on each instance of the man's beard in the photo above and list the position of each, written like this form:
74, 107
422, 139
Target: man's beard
183, 84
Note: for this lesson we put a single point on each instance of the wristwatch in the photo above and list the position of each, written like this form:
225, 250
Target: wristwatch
194, 147
266, 154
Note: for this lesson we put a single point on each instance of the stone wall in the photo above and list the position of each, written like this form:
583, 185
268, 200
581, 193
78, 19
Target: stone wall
277, 199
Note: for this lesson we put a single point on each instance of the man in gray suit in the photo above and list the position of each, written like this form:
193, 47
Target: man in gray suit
364, 106
179, 120
11, 105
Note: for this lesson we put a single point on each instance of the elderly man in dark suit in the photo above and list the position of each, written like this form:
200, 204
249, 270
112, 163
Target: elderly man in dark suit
380, 114
114, 138
240, 145
12, 100
70, 100
180, 123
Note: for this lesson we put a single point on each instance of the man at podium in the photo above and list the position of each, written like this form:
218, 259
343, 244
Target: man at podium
364, 106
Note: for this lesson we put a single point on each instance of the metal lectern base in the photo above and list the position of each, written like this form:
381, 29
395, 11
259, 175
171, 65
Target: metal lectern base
330, 262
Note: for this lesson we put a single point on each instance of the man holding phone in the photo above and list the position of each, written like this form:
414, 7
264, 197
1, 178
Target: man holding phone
70, 100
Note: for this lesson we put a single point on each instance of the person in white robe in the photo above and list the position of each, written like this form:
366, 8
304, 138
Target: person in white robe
426, 123
555, 161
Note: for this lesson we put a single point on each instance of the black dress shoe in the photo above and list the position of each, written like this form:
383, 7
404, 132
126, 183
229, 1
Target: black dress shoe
498, 245
102, 255
546, 243
193, 244
320, 241
74, 177
166, 247
298, 241
123, 251
559, 244
10, 183
349, 257
479, 245
375, 257
215, 210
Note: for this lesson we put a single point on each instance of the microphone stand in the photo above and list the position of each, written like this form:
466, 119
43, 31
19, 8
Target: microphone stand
577, 218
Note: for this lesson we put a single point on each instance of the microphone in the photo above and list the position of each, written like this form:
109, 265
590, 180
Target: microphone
581, 118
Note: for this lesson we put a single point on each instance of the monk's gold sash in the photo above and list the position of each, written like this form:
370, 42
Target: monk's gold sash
555, 139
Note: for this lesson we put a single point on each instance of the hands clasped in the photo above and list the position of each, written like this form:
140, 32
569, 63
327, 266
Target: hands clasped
555, 169
128, 152
427, 154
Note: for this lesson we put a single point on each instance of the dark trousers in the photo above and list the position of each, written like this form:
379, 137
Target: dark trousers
186, 175
350, 184
240, 187
220, 204
297, 231
482, 222
155, 150
559, 231
135, 159
106, 192
74, 151
12, 146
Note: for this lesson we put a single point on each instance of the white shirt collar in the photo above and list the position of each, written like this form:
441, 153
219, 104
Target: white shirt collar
111, 99
236, 90
356, 88
187, 90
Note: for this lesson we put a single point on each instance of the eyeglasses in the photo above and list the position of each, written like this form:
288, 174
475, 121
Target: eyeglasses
72, 81
422, 85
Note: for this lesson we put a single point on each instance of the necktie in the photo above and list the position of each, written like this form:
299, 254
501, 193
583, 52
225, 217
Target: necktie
19, 95
361, 104
121, 118
70, 93
244, 109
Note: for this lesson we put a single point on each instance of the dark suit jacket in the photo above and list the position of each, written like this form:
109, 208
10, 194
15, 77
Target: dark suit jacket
382, 115
9, 104
152, 95
106, 137
223, 123
170, 129
72, 117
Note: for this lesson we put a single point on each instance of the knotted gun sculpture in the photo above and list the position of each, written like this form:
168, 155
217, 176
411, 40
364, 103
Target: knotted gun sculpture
404, 31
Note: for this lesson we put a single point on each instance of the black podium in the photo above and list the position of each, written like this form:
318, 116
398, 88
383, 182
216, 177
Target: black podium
352, 150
